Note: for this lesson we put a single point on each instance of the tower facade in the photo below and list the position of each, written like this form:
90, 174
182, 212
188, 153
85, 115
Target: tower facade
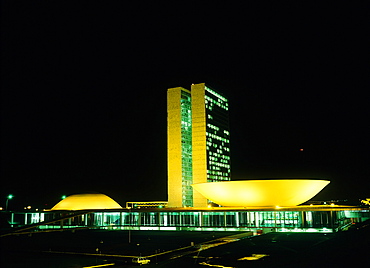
198, 142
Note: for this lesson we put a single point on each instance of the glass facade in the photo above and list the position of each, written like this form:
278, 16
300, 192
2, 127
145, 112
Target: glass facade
217, 134
186, 150
198, 142
243, 220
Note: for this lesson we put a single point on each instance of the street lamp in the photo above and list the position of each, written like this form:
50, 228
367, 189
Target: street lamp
7, 200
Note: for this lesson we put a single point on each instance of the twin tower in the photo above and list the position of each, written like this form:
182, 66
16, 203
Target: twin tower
198, 142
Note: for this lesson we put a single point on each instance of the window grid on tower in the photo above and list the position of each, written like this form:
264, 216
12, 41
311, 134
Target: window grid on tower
186, 149
217, 136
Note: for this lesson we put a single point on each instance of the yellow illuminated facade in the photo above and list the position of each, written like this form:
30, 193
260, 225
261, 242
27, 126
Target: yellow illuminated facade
87, 201
261, 193
198, 142
179, 144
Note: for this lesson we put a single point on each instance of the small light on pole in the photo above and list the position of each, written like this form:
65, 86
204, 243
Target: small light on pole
7, 200
64, 196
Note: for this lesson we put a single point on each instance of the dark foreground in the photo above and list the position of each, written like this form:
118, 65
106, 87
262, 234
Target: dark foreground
173, 249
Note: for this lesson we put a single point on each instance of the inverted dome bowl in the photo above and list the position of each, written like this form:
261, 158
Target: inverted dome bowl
87, 201
250, 193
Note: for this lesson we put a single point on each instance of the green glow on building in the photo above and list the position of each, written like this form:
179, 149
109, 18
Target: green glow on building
218, 136
186, 150
299, 219
198, 142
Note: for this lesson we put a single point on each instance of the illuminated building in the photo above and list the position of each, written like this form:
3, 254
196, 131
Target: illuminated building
303, 219
86, 201
261, 193
85, 211
198, 142
198, 155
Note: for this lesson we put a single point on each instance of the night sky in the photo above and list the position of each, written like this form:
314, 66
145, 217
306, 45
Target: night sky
83, 104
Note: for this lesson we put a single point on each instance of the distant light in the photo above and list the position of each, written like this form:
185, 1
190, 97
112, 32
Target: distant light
29, 207
301, 150
277, 207
10, 196
64, 196
332, 204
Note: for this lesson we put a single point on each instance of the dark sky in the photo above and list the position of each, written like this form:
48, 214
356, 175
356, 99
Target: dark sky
83, 105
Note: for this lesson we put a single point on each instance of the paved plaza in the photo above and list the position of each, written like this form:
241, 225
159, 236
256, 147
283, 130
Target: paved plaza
89, 248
